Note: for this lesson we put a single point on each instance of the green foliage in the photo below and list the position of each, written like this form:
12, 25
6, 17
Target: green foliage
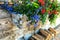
52, 18
55, 6
29, 9
44, 17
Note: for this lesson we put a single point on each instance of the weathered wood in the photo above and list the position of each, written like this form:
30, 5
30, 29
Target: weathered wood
52, 31
34, 36
46, 34
50, 34
40, 37
31, 38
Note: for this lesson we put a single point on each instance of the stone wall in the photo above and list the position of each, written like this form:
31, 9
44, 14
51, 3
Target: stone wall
3, 0
9, 0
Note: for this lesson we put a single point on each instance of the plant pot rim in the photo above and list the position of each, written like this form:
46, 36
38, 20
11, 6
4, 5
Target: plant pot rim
1, 2
10, 3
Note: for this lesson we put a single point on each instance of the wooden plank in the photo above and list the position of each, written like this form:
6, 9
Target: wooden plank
46, 34
40, 37
35, 37
31, 38
50, 34
52, 31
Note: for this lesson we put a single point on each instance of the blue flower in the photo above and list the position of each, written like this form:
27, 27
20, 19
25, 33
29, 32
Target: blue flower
2, 6
10, 9
6, 6
15, 4
36, 17
35, 25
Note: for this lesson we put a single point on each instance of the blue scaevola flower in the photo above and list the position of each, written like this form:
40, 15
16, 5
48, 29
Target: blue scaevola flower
6, 6
10, 9
36, 17
2, 6
35, 25
15, 4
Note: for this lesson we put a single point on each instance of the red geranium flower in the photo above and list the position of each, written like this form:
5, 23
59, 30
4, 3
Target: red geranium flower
42, 2
50, 12
43, 11
54, 11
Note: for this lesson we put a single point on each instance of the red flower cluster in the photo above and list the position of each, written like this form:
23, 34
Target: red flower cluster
43, 11
52, 12
42, 2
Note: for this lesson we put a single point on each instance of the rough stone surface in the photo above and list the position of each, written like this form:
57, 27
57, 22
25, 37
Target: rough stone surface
4, 14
